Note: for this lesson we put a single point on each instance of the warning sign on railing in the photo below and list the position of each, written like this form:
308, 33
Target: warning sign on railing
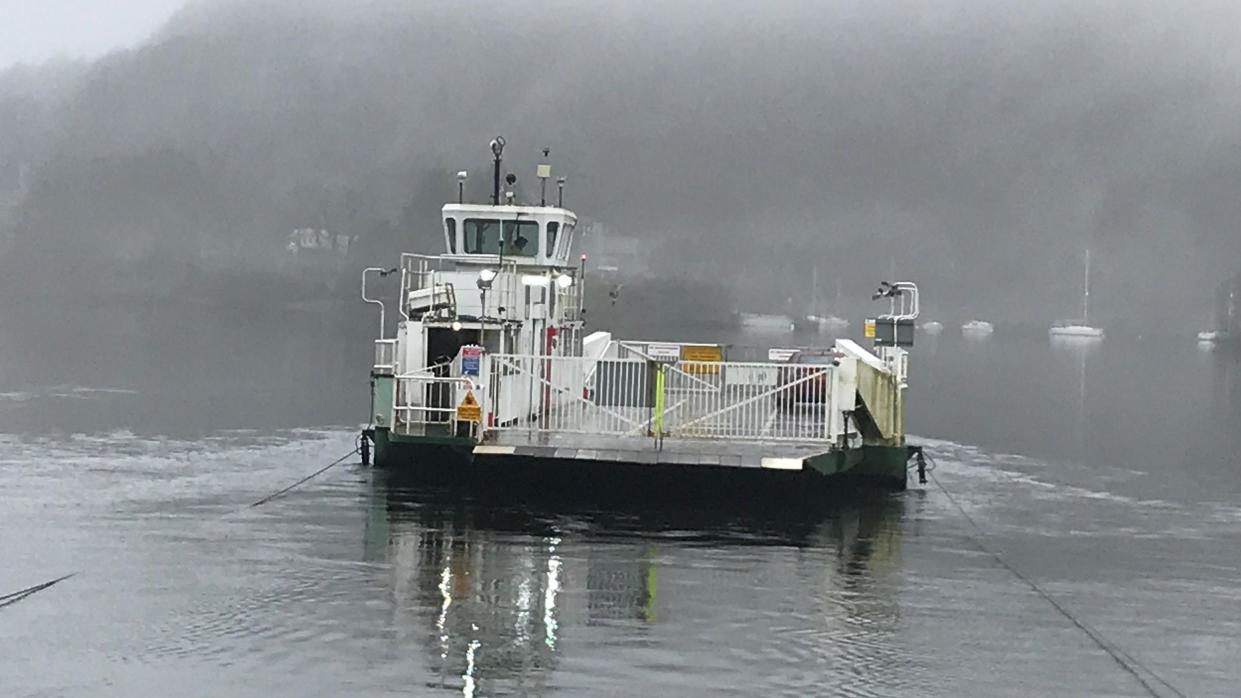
664, 353
468, 410
778, 354
701, 358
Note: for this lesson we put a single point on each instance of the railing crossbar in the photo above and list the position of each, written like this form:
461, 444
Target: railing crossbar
774, 391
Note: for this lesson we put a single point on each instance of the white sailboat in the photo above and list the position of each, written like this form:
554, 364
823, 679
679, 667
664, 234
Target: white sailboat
1083, 330
1225, 318
815, 320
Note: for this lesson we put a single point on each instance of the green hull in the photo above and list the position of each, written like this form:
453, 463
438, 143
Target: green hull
886, 466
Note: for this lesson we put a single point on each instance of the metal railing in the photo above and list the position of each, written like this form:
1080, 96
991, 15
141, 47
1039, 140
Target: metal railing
631, 397
421, 272
745, 401
424, 399
569, 304
569, 394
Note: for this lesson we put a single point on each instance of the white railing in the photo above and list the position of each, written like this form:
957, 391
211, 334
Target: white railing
569, 303
631, 397
429, 274
569, 394
745, 401
385, 357
422, 399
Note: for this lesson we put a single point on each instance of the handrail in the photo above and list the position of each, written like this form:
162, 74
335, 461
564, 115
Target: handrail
406, 409
899, 291
382, 272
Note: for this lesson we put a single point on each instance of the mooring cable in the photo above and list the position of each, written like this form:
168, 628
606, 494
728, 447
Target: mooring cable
306, 479
21, 594
1122, 658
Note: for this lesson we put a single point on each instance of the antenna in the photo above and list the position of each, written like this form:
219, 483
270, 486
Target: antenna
544, 171
497, 149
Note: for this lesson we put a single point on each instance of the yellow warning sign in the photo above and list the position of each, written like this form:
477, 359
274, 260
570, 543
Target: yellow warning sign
869, 329
701, 358
468, 410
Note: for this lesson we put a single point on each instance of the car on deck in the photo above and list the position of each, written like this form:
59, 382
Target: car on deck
805, 379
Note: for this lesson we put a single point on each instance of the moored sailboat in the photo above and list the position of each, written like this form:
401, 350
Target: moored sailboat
1082, 330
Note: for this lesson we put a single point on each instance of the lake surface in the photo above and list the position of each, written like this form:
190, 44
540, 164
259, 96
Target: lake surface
1108, 476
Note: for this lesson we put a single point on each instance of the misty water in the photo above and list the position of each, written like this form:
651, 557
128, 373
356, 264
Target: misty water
1109, 476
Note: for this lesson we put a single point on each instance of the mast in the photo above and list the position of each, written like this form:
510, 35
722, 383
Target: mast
1086, 292
814, 292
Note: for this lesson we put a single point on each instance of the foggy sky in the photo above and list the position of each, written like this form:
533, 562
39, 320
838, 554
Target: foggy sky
36, 31
976, 146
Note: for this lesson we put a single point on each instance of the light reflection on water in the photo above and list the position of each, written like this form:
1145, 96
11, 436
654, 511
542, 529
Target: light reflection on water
513, 588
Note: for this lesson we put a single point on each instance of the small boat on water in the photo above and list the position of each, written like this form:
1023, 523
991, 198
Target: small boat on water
977, 328
815, 319
1077, 331
933, 327
1082, 330
1225, 331
829, 323
765, 322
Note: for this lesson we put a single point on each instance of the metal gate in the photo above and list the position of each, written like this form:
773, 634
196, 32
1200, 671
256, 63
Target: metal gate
743, 401
632, 397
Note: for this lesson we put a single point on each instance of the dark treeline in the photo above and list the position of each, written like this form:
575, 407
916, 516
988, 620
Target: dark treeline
977, 147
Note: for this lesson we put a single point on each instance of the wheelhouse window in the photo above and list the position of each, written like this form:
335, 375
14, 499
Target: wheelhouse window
450, 228
553, 227
568, 233
482, 236
521, 238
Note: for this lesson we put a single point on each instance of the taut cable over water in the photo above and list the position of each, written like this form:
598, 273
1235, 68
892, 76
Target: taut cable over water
14, 597
306, 479
1122, 658
22, 594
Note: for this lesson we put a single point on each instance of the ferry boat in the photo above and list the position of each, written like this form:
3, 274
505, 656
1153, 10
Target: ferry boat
491, 367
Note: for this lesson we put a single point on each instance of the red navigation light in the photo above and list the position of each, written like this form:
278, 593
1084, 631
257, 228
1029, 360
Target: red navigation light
583, 258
